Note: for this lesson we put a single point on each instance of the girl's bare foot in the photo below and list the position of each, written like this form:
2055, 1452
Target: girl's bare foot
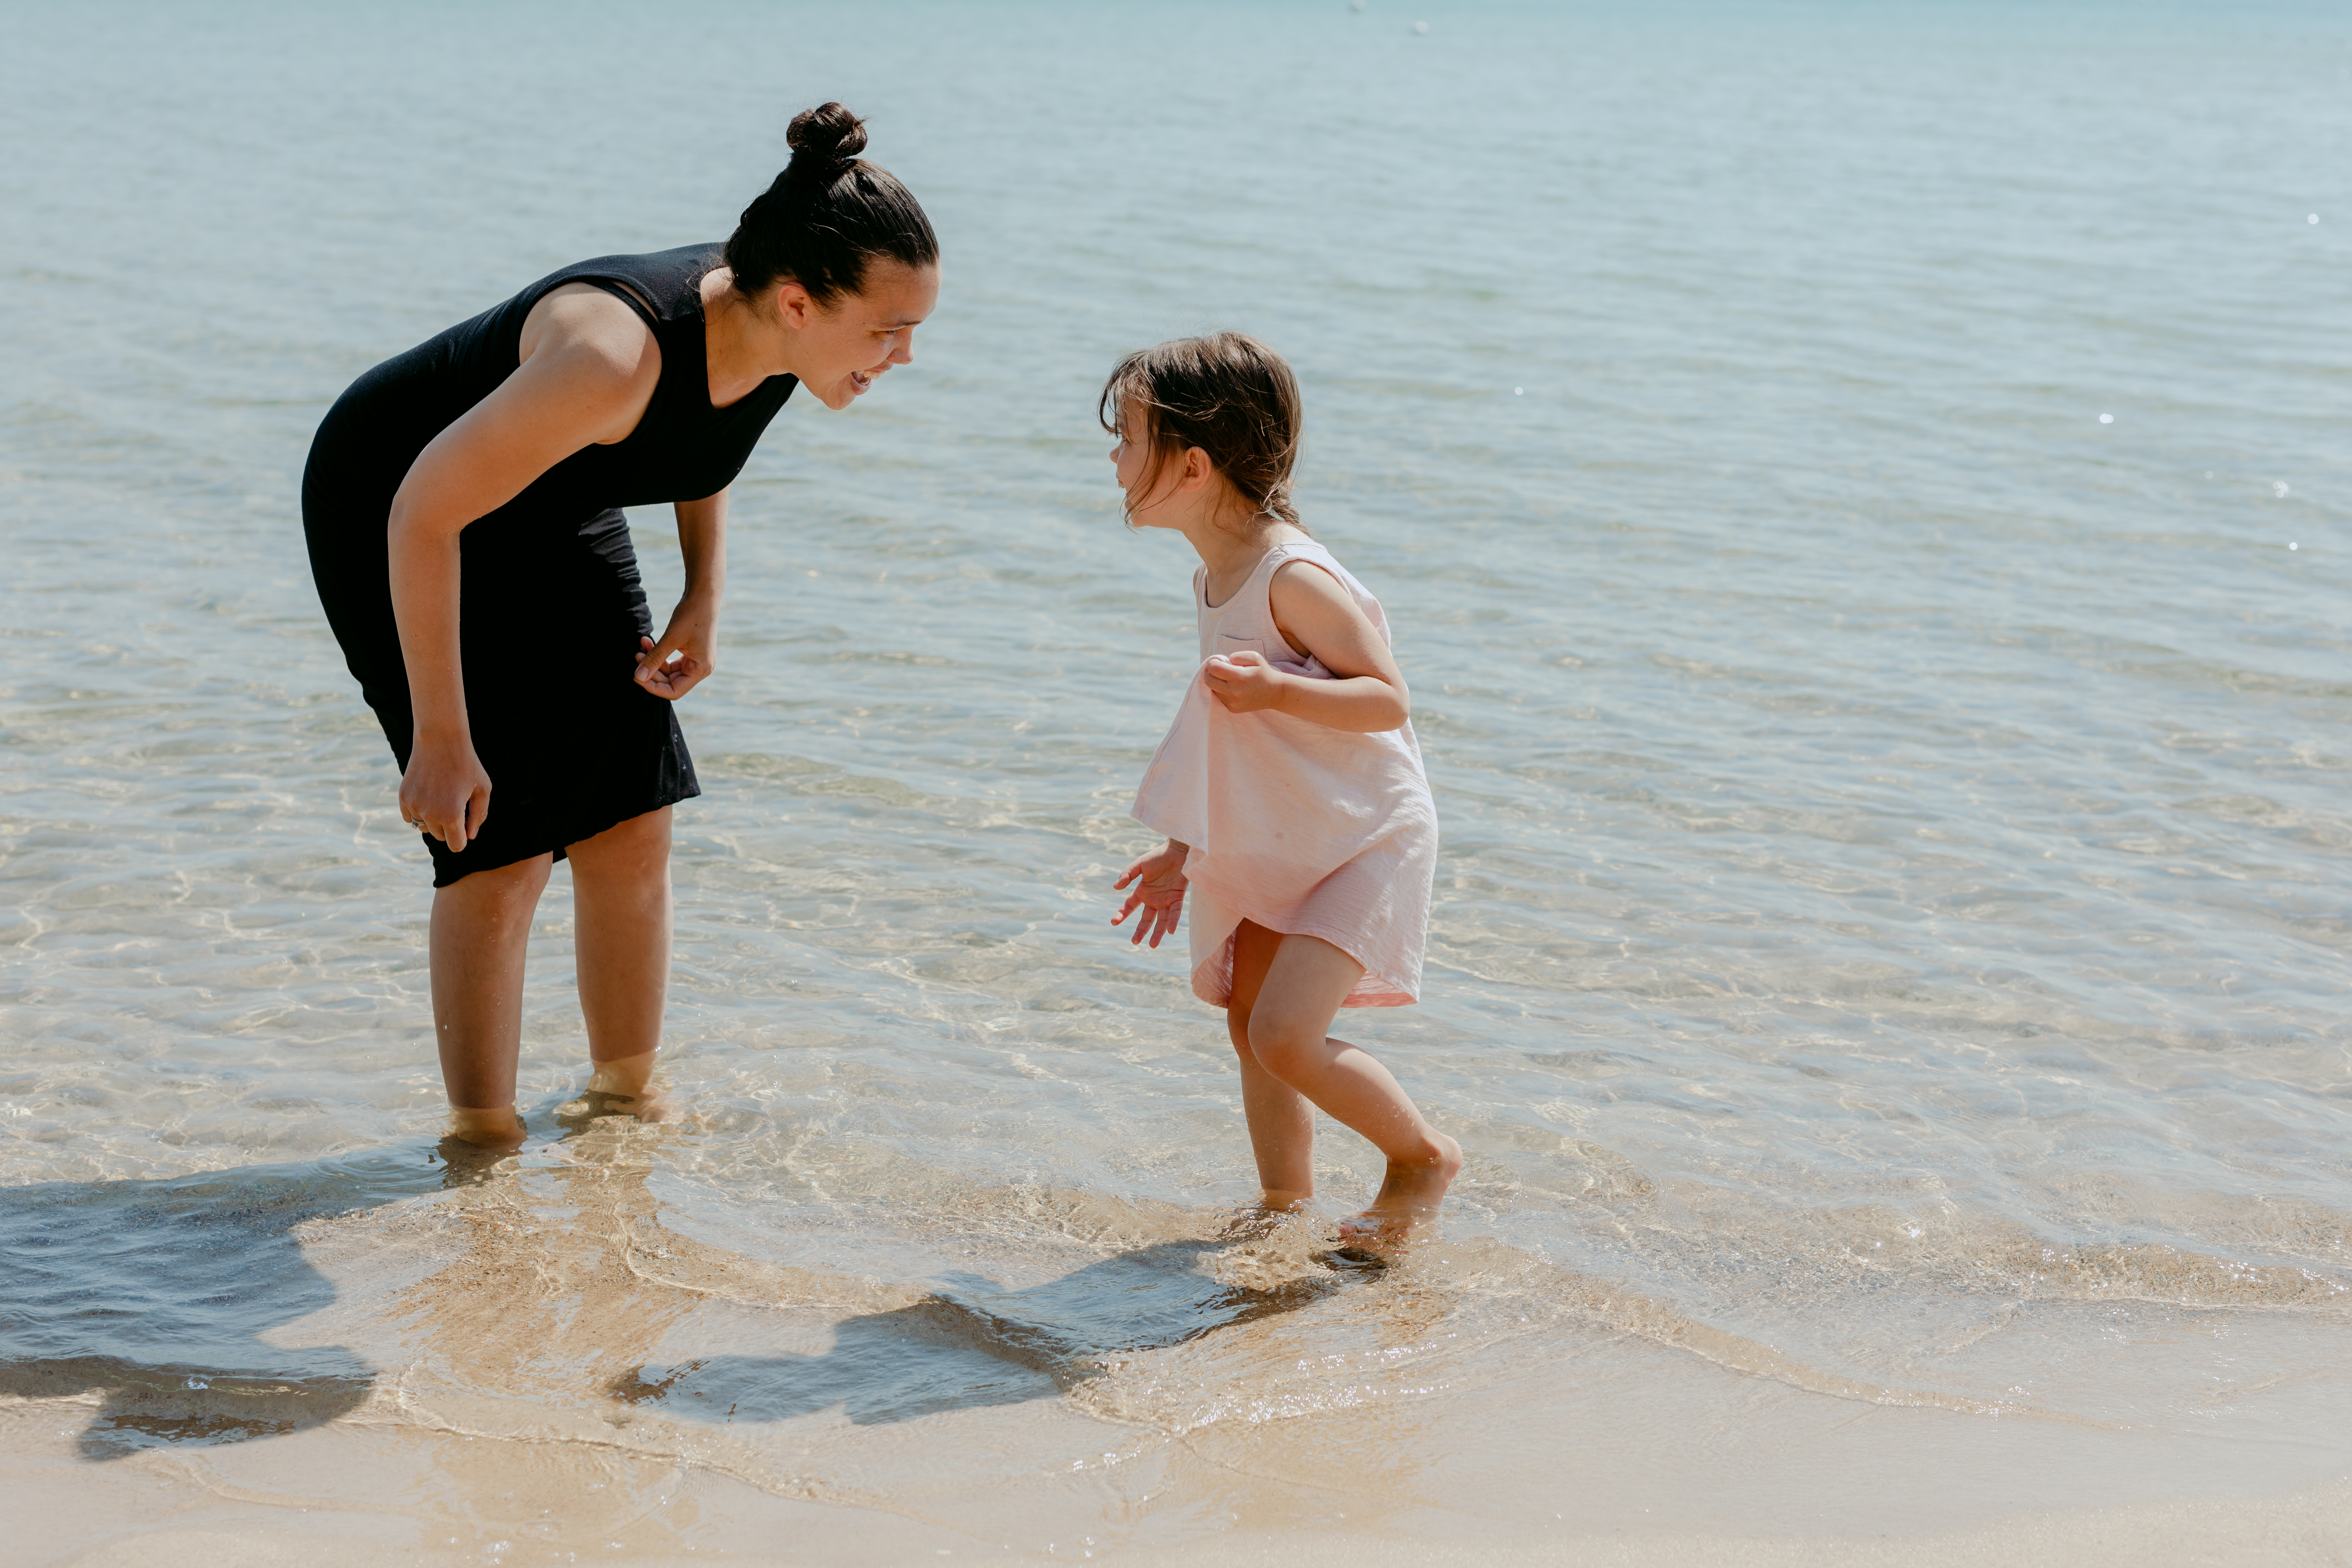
1261, 1217
1411, 1192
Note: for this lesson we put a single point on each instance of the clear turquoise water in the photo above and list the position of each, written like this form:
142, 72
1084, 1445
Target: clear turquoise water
1892, 936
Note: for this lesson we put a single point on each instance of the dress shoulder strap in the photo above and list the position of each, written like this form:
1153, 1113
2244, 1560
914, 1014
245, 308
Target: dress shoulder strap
661, 285
1317, 552
1291, 549
1302, 550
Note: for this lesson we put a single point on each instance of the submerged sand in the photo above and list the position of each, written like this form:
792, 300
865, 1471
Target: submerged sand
537, 1361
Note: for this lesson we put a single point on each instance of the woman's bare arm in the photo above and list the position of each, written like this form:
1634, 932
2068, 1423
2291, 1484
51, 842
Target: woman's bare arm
688, 649
589, 369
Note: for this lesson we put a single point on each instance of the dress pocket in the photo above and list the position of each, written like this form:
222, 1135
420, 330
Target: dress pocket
1229, 645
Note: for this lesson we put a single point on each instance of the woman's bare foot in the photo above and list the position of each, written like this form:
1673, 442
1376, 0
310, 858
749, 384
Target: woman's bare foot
621, 1088
1411, 1192
491, 1128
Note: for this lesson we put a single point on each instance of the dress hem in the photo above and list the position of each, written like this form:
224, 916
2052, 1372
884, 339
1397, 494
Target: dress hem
1399, 994
441, 878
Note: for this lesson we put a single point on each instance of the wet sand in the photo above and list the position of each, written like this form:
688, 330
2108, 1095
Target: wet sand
158, 1512
535, 1360
1860, 491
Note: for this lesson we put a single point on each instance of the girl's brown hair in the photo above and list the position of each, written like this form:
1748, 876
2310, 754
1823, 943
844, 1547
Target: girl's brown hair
1228, 395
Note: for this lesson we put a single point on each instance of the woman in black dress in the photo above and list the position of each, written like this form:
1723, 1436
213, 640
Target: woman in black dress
462, 510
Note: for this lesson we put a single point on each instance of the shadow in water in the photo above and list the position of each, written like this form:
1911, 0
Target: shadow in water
162, 1296
156, 1293
972, 1343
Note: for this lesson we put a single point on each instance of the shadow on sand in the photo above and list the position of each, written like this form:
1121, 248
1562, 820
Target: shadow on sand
158, 1294
971, 1343
163, 1296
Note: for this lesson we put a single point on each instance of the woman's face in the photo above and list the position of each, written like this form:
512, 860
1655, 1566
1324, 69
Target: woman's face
840, 351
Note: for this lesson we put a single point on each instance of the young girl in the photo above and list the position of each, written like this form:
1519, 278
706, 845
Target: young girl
1290, 786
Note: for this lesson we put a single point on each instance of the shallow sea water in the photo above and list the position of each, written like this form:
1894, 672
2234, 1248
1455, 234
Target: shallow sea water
1863, 494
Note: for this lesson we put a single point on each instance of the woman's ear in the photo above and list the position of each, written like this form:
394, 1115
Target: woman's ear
794, 307
1197, 469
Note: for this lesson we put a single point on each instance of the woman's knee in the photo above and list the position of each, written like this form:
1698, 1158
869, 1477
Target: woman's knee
636, 850
501, 888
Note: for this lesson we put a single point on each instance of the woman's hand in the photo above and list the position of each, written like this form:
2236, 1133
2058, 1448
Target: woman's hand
589, 369
445, 791
677, 665
1245, 682
1160, 884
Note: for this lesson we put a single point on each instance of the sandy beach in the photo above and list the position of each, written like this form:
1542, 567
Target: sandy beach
1278, 1410
159, 1512
1861, 498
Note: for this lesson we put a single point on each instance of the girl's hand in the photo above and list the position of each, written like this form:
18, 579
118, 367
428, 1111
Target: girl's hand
677, 665
1160, 884
1245, 682
445, 791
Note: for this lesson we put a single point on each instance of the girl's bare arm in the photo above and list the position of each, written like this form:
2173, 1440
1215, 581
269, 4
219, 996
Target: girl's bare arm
1316, 615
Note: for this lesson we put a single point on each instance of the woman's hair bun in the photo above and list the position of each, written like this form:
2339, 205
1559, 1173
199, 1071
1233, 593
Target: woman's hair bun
827, 215
824, 141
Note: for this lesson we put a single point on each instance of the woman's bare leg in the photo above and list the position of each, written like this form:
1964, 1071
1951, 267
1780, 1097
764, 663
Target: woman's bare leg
620, 882
481, 929
1303, 985
1281, 1122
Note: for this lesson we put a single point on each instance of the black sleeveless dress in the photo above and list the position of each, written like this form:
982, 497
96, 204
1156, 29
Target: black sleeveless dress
550, 606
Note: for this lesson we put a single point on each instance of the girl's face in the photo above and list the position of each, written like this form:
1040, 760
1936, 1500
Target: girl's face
1187, 492
1132, 456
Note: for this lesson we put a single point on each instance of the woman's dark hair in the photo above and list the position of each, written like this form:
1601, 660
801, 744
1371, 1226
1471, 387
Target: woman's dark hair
827, 215
1228, 395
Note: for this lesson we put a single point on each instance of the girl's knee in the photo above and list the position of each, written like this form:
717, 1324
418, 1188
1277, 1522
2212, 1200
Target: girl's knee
1287, 1052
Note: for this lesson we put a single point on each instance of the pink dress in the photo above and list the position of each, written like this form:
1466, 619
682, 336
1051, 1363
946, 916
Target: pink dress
1303, 828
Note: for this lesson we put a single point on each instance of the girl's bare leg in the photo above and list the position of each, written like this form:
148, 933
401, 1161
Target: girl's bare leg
481, 927
621, 895
1298, 995
1281, 1122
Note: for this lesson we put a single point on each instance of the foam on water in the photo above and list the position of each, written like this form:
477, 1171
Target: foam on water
1892, 934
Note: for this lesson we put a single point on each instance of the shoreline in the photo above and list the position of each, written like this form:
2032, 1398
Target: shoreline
2311, 1527
293, 1500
